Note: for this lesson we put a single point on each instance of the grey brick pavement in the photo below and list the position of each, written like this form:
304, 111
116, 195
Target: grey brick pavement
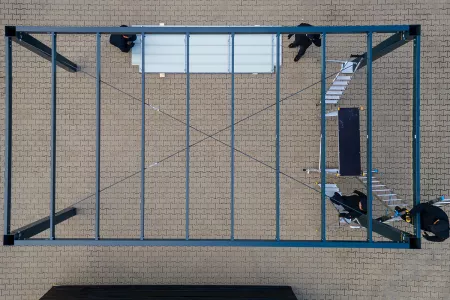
28, 272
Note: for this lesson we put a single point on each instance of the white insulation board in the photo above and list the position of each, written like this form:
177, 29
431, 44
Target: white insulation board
208, 53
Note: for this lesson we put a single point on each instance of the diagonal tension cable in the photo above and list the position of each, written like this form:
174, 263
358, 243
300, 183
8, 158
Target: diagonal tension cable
204, 133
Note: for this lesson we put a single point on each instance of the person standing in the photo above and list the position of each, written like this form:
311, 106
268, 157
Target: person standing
123, 42
303, 41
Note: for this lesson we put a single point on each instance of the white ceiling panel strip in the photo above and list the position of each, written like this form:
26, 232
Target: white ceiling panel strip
209, 53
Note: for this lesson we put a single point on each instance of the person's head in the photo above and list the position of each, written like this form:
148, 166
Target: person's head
125, 36
441, 229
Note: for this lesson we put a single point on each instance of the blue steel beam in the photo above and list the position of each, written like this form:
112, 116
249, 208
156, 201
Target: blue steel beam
187, 134
277, 142
323, 140
97, 139
385, 230
53, 141
142, 135
232, 139
39, 48
8, 135
416, 135
216, 29
43, 224
211, 243
369, 136
385, 47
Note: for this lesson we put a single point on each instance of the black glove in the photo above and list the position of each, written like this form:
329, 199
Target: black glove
290, 35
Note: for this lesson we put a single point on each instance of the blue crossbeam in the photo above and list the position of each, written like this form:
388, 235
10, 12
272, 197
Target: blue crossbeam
216, 29
210, 243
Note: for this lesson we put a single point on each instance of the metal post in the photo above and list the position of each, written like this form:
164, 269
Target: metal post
277, 142
53, 141
187, 134
369, 136
8, 134
416, 133
142, 135
97, 140
322, 139
232, 138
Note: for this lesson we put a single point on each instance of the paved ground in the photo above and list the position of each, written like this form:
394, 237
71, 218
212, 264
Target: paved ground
27, 272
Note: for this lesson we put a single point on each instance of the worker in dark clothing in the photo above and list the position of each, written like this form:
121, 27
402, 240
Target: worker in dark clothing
303, 41
123, 42
432, 219
356, 205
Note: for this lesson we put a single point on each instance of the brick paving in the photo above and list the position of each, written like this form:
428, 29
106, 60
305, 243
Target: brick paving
27, 272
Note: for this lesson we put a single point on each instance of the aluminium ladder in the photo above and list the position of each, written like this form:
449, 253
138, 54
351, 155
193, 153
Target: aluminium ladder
341, 81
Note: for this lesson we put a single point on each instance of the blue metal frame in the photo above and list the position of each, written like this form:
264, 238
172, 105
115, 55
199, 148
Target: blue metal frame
188, 96
323, 126
211, 243
8, 135
402, 34
232, 142
39, 48
277, 142
416, 134
216, 29
53, 142
97, 138
43, 224
143, 137
385, 47
369, 135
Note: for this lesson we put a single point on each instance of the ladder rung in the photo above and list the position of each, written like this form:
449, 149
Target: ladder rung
400, 205
337, 88
373, 181
331, 101
386, 195
393, 220
334, 93
339, 82
378, 185
331, 188
343, 78
373, 171
380, 190
387, 200
337, 61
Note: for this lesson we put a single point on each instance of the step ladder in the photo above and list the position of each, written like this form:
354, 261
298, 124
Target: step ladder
330, 189
341, 81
